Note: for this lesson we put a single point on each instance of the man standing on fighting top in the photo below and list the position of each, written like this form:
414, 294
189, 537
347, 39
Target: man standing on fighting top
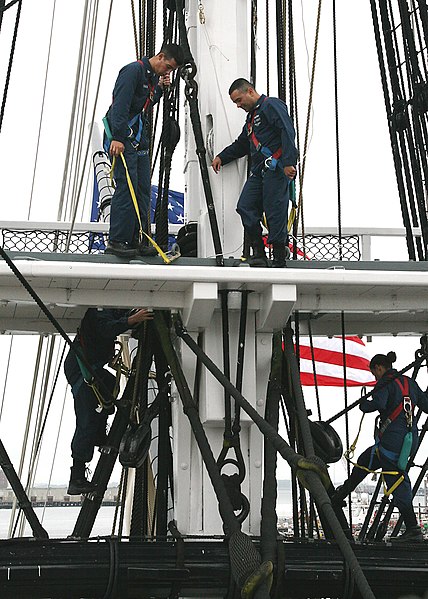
268, 135
138, 86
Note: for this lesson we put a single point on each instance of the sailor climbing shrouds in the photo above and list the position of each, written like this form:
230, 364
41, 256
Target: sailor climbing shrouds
395, 397
138, 87
95, 338
268, 135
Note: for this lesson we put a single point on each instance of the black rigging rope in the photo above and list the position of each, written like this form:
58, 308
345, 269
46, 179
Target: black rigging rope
317, 394
356, 403
9, 67
267, 50
336, 117
402, 78
345, 399
245, 561
92, 503
269, 520
311, 470
139, 516
253, 47
188, 72
102, 388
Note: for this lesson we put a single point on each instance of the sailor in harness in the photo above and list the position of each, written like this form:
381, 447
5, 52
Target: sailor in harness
395, 439
138, 87
95, 339
268, 136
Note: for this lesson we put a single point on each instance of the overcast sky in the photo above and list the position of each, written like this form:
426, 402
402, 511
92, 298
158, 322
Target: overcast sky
368, 184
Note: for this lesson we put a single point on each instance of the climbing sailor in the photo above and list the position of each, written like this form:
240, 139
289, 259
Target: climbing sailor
396, 438
95, 339
268, 135
138, 86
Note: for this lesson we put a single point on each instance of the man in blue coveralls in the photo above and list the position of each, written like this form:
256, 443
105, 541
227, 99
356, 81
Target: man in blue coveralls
395, 397
268, 135
138, 86
95, 338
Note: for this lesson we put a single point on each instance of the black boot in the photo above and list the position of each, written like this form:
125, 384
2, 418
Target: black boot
412, 534
79, 484
258, 258
145, 250
120, 248
281, 253
339, 495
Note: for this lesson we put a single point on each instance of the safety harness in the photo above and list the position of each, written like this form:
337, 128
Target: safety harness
271, 161
139, 116
407, 406
270, 164
116, 363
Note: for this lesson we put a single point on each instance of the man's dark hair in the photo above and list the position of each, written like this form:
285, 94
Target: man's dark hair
173, 51
382, 360
241, 84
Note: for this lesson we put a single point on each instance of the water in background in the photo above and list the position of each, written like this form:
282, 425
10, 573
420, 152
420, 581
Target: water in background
59, 521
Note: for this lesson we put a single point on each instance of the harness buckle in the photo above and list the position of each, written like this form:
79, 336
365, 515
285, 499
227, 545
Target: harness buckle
408, 410
268, 163
407, 404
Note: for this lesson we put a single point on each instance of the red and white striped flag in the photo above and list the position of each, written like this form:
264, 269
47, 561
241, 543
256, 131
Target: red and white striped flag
328, 355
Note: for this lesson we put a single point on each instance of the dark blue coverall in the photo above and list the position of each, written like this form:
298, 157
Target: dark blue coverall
96, 336
386, 397
265, 190
135, 91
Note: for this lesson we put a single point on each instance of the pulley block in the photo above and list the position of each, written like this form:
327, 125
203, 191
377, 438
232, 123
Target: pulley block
327, 443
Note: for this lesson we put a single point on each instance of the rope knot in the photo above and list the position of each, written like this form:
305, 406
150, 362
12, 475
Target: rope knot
245, 562
312, 464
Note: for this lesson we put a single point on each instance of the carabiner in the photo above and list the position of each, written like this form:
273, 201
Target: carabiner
407, 404
268, 163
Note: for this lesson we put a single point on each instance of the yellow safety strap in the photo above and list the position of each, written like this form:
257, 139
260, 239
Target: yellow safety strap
349, 454
398, 482
291, 218
161, 253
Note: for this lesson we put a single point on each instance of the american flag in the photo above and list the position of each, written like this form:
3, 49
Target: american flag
328, 356
175, 206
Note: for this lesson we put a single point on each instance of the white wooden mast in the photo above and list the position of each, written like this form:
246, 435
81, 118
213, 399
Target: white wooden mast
219, 40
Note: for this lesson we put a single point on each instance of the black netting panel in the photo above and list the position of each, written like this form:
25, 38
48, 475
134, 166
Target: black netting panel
84, 242
326, 247
318, 247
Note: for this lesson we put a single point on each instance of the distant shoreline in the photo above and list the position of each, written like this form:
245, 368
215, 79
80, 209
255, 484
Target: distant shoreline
75, 503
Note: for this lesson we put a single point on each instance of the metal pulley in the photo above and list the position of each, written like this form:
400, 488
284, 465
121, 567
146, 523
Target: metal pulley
327, 443
135, 445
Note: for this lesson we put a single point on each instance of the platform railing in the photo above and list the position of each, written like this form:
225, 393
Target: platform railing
320, 243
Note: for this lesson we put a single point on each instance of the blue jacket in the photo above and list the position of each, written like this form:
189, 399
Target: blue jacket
386, 397
130, 93
96, 336
273, 128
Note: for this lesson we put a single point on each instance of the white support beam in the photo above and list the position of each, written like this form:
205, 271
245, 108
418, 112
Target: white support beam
276, 304
200, 301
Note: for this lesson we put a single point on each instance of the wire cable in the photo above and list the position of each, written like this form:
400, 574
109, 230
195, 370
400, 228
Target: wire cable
42, 110
9, 67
